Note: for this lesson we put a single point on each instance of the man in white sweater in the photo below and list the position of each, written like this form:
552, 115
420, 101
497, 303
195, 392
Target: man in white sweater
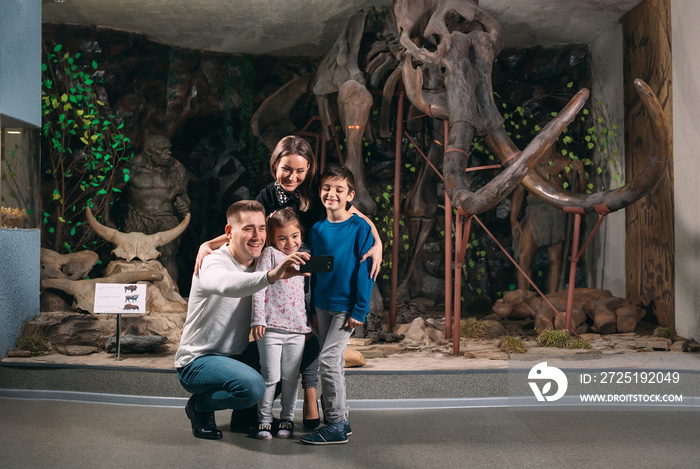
215, 361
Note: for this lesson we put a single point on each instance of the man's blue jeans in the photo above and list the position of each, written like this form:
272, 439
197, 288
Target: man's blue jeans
222, 382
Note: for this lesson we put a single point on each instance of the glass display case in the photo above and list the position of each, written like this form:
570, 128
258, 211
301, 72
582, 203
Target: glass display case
20, 186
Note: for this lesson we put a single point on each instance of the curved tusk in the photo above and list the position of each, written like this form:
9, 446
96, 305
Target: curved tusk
517, 166
104, 232
166, 237
614, 199
432, 104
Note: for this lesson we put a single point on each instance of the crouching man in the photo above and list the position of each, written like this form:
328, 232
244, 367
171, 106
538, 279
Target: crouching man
215, 361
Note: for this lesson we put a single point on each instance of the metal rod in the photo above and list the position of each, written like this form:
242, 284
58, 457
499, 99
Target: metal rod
448, 259
459, 263
590, 237
572, 271
456, 290
397, 214
119, 333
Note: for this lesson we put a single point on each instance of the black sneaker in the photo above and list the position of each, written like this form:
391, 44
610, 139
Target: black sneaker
325, 436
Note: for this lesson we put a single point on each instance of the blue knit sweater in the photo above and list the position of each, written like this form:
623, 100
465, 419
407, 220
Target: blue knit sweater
349, 286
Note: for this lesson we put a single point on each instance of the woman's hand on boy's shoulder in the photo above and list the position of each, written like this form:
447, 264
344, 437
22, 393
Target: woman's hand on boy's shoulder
375, 254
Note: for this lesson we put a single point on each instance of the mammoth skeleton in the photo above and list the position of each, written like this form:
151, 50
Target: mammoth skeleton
443, 51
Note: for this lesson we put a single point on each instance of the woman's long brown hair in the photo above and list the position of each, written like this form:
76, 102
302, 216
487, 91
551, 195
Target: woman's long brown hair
293, 145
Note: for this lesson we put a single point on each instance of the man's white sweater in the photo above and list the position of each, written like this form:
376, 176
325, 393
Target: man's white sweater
219, 308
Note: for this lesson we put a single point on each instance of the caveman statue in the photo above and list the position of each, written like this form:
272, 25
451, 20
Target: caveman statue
156, 196
544, 225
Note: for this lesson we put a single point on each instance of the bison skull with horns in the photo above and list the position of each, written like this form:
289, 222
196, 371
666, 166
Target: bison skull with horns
451, 44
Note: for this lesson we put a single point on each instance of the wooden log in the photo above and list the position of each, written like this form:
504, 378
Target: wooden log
627, 318
577, 318
604, 320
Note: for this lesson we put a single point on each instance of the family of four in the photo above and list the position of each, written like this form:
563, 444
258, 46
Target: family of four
242, 290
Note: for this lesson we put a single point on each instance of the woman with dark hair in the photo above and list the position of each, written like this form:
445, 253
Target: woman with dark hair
293, 166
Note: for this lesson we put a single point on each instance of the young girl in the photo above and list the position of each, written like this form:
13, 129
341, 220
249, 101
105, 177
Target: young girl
279, 324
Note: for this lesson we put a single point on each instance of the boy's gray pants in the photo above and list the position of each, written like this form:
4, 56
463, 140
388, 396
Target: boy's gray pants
334, 340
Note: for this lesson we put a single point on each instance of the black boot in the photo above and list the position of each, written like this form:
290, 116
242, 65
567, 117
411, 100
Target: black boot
203, 423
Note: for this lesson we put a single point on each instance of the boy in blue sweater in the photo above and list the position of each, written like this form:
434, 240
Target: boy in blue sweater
341, 297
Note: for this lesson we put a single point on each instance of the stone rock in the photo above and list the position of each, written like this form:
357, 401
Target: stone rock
69, 328
502, 309
494, 329
433, 288
353, 358
50, 301
425, 302
361, 342
135, 343
679, 346
416, 331
408, 311
77, 350
17, 353
652, 343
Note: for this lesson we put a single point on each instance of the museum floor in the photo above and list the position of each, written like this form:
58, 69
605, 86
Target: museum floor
84, 435
413, 409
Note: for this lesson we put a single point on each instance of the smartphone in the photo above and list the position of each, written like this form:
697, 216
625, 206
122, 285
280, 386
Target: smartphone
318, 264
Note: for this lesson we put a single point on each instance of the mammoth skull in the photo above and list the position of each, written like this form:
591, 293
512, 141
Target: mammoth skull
450, 47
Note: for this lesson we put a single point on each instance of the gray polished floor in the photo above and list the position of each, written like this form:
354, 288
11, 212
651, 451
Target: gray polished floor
58, 434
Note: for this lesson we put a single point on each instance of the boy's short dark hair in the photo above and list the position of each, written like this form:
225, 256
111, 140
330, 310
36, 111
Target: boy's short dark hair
233, 214
336, 171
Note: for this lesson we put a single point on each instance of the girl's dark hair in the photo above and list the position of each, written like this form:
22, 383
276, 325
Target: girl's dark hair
280, 218
293, 145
